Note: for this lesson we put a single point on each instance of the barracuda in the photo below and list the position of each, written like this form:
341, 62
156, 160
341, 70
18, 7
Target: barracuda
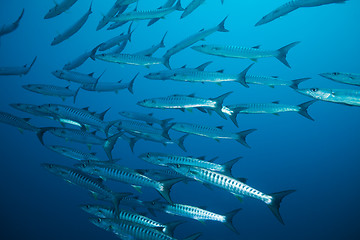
20, 123
193, 212
341, 77
118, 7
245, 52
51, 90
163, 159
130, 230
74, 153
130, 59
17, 71
116, 40
150, 51
343, 96
126, 175
60, 8
273, 81
81, 59
216, 133
148, 118
94, 185
194, 4
8, 28
234, 186
183, 102
30, 108
76, 77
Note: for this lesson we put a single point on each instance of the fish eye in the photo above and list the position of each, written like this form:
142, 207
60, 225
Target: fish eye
39, 87
148, 155
63, 132
178, 165
99, 220
314, 89
84, 165
63, 150
51, 166
152, 203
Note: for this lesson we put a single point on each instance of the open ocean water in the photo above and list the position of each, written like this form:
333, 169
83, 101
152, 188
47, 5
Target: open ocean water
319, 159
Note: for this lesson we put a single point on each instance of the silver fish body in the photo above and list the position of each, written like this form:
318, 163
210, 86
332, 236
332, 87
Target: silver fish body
17, 71
60, 8
74, 153
8, 28
51, 90
341, 77
343, 96
20, 123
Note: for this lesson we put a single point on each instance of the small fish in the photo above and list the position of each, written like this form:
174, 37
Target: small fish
118, 173
193, 5
244, 52
347, 78
183, 102
115, 9
20, 123
130, 59
51, 90
81, 59
76, 77
292, 6
216, 133
73, 153
192, 212
8, 28
19, 71
60, 8
148, 118
116, 40
150, 51
29, 108
234, 186
72, 29
343, 96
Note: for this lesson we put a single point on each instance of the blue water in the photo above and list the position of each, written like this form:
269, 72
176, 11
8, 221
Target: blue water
319, 159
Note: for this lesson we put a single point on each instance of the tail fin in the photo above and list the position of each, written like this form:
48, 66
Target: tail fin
180, 142
282, 52
130, 32
203, 66
165, 122
117, 197
170, 227
40, 133
241, 137
303, 109
166, 60
229, 218
20, 17
178, 6
162, 44
219, 104
165, 132
109, 144
193, 237
242, 76
229, 164
76, 93
132, 142
275, 203
234, 114
93, 52
221, 26
166, 187
97, 80
152, 21
32, 64
296, 82
131, 84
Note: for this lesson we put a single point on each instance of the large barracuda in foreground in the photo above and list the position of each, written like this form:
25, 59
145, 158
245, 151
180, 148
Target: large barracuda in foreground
196, 213
20, 123
291, 6
60, 8
51, 90
216, 133
19, 71
148, 14
8, 28
348, 78
81, 137
130, 230
183, 102
94, 185
74, 153
343, 96
127, 175
72, 29
187, 42
163, 159
245, 52
272, 108
234, 186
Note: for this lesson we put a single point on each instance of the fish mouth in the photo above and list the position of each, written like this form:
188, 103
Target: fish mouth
325, 75
302, 91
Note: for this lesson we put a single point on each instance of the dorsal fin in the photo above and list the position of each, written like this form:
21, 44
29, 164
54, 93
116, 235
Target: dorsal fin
220, 127
91, 74
220, 71
150, 114
184, 66
93, 153
93, 133
256, 47
275, 76
203, 66
191, 95
86, 108
26, 119
102, 115
201, 158
276, 102
67, 87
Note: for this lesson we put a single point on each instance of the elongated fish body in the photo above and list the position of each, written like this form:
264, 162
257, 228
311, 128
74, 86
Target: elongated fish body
233, 186
74, 153
8, 28
76, 77
111, 13
72, 29
348, 78
20, 123
148, 118
194, 4
160, 174
273, 81
126, 175
108, 212
150, 51
110, 86
51, 90
116, 40
167, 74
343, 96
291, 6
81, 116
201, 35
29, 108
246, 52
216, 133
60, 8
81, 59
130, 59
18, 71
148, 14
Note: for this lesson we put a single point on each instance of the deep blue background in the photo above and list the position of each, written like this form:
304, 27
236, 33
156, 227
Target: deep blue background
320, 159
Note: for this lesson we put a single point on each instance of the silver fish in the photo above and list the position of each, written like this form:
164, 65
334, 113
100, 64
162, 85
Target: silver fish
273, 81
29, 108
116, 8
20, 123
194, 4
116, 40
148, 118
130, 59
343, 96
51, 90
76, 77
72, 29
8, 28
150, 51
341, 77
73, 153
60, 8
245, 52
81, 59
19, 71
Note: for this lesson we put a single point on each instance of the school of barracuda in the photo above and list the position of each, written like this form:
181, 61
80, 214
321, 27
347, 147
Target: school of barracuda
90, 172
